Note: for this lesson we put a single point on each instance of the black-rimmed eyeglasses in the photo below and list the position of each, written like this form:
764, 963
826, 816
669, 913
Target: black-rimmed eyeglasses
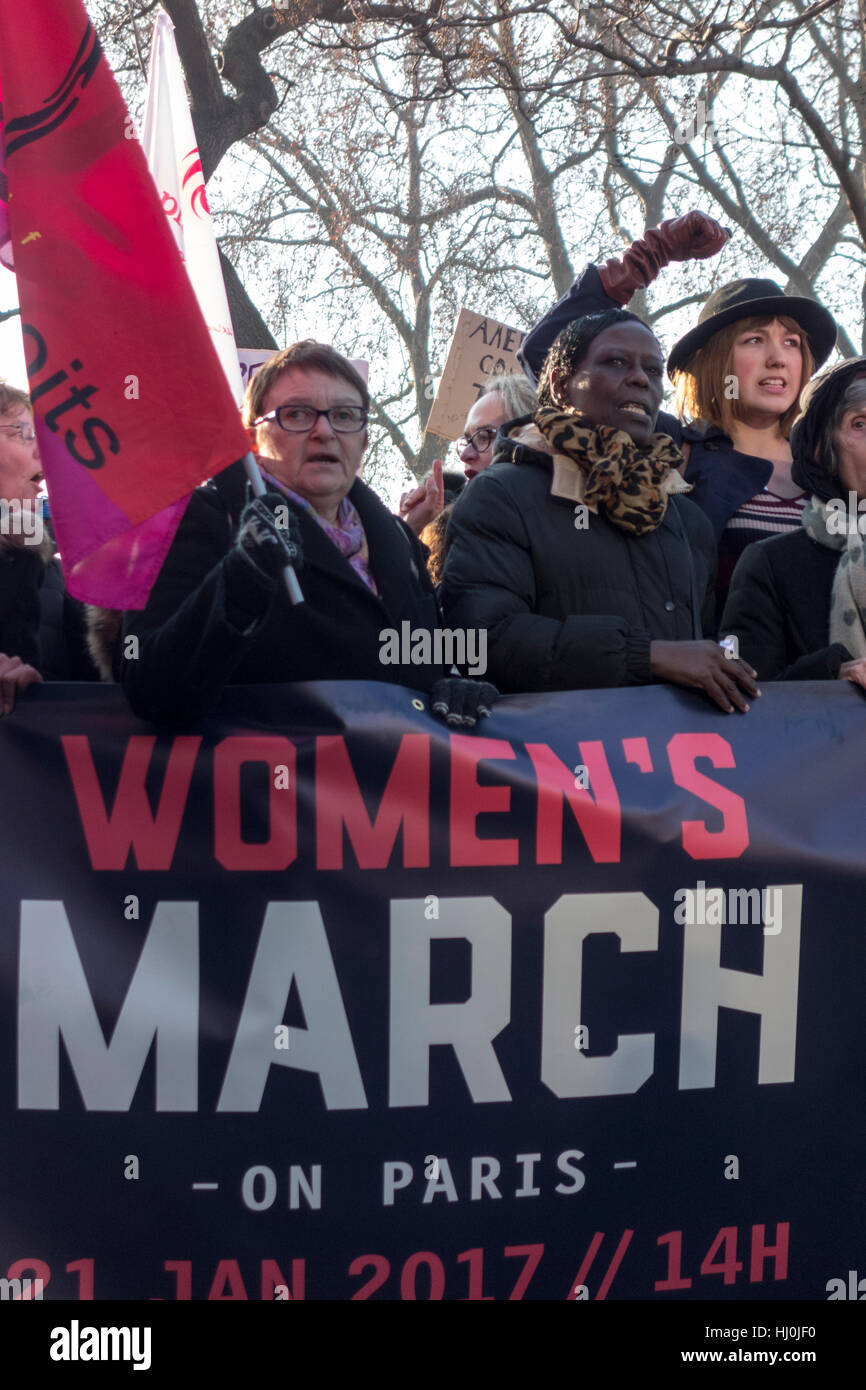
480, 440
300, 419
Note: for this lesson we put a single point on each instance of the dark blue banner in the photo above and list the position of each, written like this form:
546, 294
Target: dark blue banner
319, 1001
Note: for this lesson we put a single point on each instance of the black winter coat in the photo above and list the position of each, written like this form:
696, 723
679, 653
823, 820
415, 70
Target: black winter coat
22, 570
569, 609
778, 608
211, 621
40, 622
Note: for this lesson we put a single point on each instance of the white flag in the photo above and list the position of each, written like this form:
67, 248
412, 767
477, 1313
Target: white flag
171, 151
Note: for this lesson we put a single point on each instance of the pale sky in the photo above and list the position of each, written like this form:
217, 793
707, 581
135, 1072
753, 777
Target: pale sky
11, 345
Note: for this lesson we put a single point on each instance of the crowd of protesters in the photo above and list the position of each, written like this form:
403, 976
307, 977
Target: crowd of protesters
594, 540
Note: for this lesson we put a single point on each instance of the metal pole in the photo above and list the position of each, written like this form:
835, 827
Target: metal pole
257, 483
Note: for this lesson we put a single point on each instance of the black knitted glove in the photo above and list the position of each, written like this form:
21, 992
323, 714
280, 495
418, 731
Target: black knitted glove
264, 541
462, 702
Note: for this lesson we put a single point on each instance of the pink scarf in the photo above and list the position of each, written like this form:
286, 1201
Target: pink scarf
347, 534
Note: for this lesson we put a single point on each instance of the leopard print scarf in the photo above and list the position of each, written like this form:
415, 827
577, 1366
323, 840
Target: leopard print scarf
625, 479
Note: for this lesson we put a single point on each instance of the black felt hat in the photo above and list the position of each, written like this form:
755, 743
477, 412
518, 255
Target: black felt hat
744, 299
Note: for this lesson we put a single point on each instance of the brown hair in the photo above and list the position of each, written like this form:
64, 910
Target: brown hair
12, 399
702, 383
433, 536
305, 354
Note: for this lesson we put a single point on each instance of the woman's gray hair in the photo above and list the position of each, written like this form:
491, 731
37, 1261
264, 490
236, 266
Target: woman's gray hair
853, 397
518, 394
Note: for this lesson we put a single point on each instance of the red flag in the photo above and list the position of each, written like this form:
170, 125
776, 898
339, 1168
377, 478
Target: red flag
131, 404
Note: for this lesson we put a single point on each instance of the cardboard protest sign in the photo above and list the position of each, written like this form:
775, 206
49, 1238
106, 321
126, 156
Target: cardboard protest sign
480, 348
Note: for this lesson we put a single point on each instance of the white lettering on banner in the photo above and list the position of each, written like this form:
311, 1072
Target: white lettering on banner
293, 946
55, 1001
160, 1009
417, 1025
707, 987
565, 1070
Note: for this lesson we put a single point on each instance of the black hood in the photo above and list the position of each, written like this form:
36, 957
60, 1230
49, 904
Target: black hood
818, 402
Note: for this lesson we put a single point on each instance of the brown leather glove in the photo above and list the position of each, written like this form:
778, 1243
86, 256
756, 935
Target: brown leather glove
693, 237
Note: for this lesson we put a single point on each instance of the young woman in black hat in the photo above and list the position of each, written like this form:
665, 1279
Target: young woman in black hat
738, 375
797, 603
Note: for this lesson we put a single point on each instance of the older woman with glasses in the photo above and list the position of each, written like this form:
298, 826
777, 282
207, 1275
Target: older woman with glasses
41, 627
502, 398
219, 615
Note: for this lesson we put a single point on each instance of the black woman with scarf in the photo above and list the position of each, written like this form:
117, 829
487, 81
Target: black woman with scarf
577, 550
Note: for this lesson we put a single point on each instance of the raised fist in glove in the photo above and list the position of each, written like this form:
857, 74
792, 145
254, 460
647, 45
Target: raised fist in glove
693, 237
269, 536
462, 702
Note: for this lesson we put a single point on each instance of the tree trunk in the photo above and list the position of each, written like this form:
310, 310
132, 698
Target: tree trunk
250, 329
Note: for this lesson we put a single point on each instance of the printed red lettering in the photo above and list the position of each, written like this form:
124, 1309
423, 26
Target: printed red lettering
227, 1276
729, 1266
533, 1254
131, 824
272, 1275
405, 803
280, 849
596, 809
761, 1252
375, 1262
408, 1276
84, 1270
469, 801
700, 843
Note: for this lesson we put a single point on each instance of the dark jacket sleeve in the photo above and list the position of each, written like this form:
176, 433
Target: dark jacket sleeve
22, 572
62, 639
203, 612
755, 614
586, 296
697, 534
489, 582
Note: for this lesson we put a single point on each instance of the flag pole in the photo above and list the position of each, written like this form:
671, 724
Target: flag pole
257, 483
